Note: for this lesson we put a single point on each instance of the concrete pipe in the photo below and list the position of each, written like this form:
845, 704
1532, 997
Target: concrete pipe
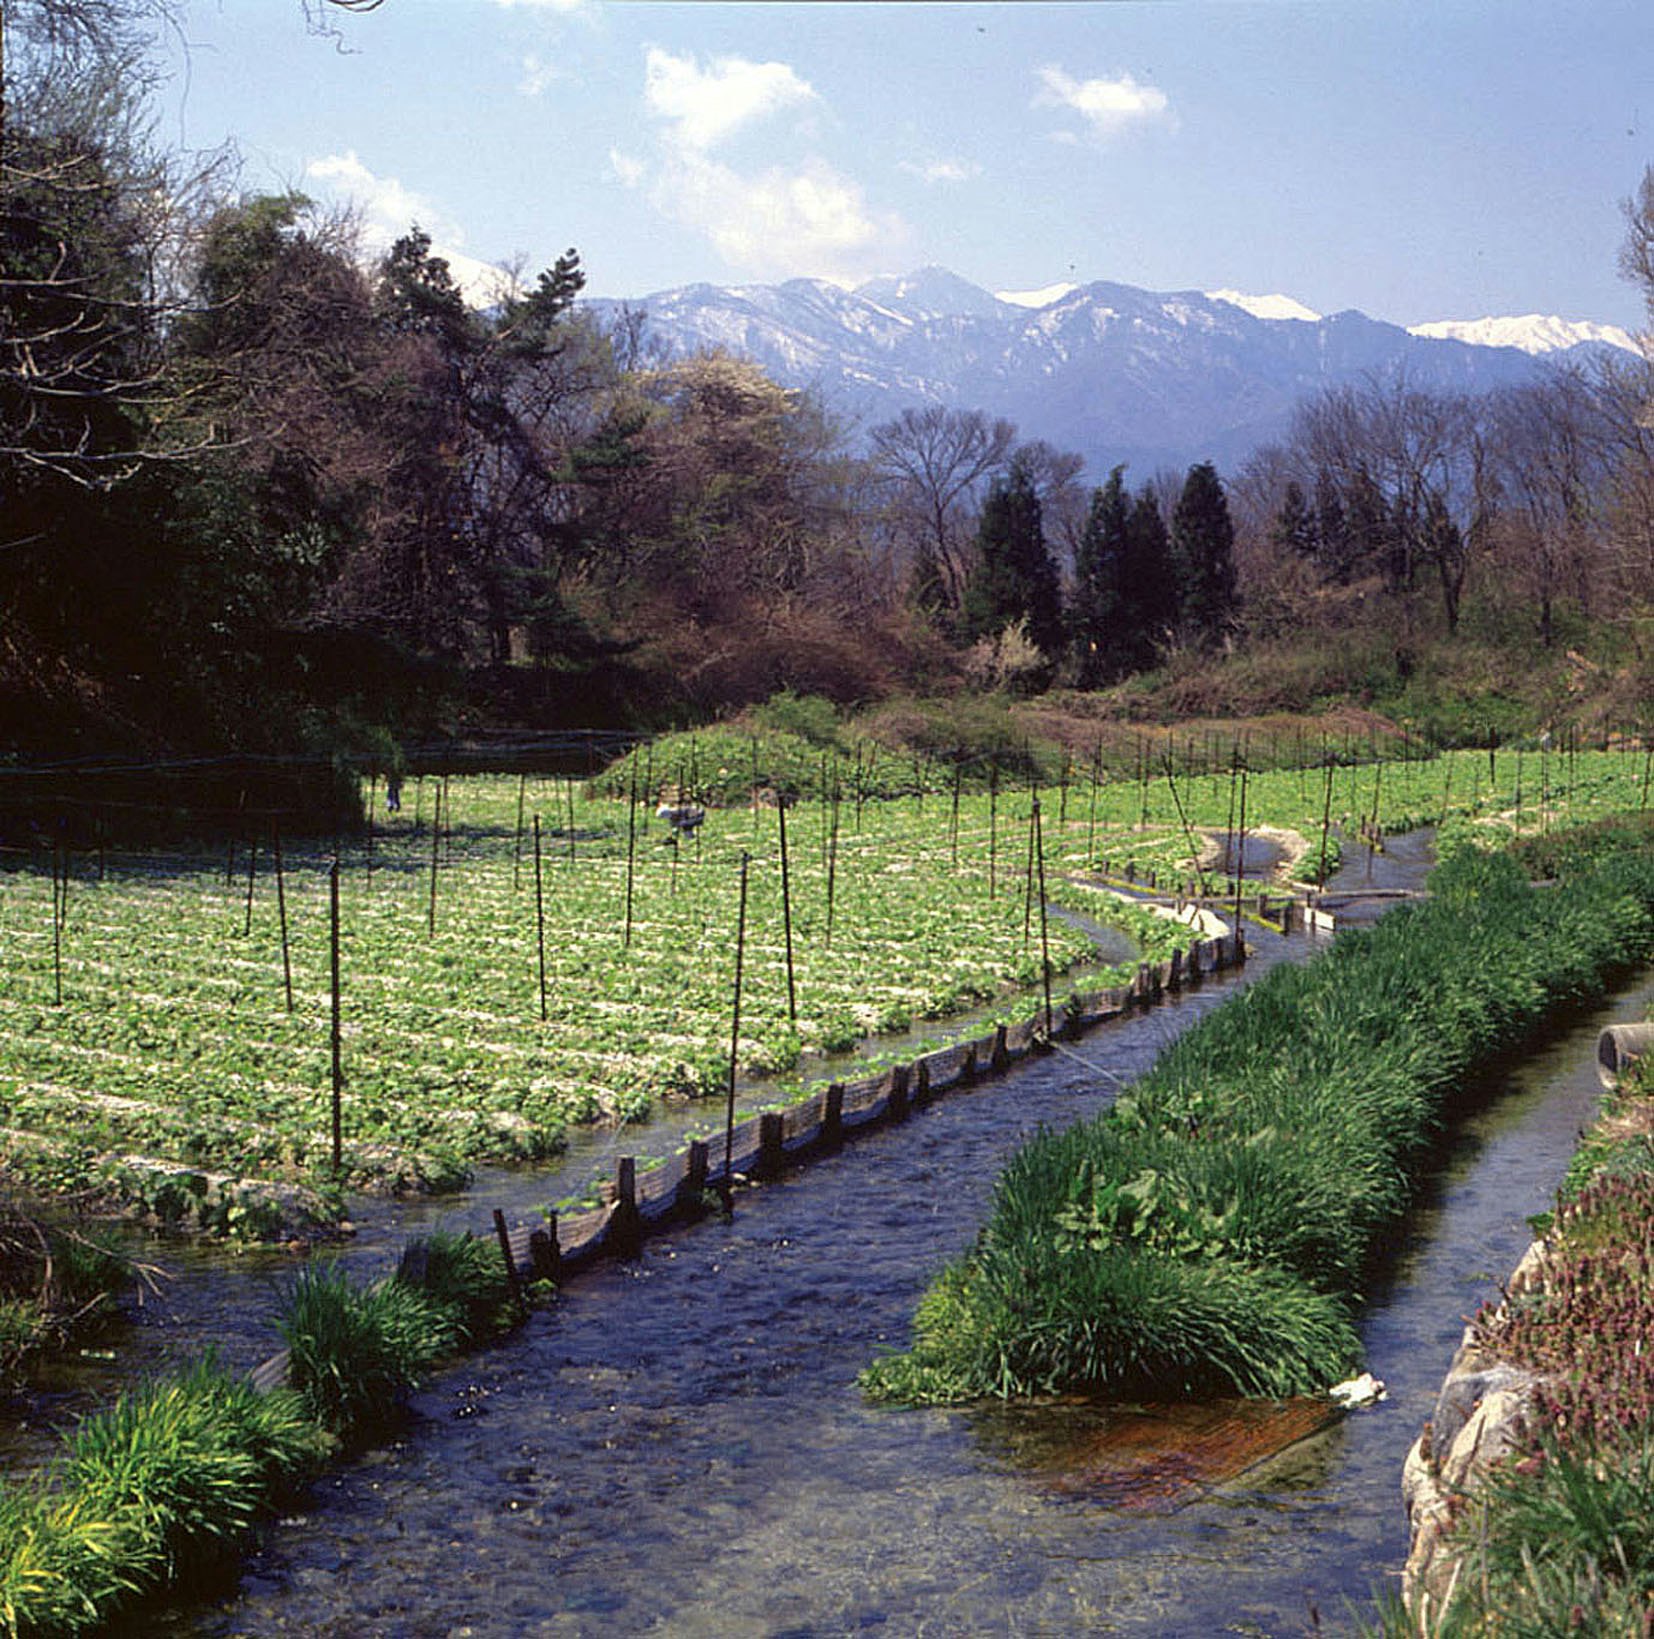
1619, 1047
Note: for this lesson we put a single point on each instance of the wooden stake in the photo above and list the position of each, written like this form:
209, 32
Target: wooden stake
787, 910
540, 919
281, 914
336, 1033
631, 850
735, 1042
57, 924
1326, 828
252, 870
1028, 876
512, 1279
1044, 938
436, 855
832, 862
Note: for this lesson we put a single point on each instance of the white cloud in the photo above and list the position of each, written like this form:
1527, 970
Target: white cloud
779, 222
1108, 106
387, 210
537, 75
702, 107
801, 217
942, 170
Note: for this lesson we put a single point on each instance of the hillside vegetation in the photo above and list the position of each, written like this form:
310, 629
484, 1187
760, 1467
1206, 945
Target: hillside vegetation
263, 492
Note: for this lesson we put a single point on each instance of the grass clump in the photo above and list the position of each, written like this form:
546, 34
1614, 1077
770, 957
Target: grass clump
1210, 1232
356, 1352
177, 1472
465, 1278
171, 1473
54, 1278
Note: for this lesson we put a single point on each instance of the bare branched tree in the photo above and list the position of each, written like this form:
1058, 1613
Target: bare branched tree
935, 460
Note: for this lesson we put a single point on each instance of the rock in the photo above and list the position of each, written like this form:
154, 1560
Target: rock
1492, 1431
1460, 1395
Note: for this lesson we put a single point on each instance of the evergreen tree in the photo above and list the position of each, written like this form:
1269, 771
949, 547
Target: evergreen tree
1015, 577
1094, 617
1332, 527
1295, 526
1203, 551
1149, 603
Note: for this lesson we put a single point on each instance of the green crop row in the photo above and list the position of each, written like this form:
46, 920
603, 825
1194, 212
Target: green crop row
152, 1024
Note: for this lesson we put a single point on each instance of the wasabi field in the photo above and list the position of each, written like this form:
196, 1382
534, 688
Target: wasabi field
520, 956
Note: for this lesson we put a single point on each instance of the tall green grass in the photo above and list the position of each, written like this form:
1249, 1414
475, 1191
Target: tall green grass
177, 1472
1210, 1232
355, 1352
171, 1473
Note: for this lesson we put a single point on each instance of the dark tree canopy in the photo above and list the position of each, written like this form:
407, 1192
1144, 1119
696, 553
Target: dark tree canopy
1203, 552
1014, 578
1099, 559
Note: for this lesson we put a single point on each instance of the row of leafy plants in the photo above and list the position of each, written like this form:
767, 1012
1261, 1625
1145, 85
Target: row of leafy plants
1211, 1231
173, 1475
150, 1018
173, 1038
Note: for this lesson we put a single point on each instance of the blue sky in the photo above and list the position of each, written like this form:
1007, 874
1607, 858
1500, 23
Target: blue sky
1416, 159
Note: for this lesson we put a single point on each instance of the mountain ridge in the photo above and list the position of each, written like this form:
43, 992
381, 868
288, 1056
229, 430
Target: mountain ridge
1113, 371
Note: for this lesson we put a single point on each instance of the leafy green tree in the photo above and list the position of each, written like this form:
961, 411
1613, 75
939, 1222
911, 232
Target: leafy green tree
1014, 577
1094, 612
1203, 552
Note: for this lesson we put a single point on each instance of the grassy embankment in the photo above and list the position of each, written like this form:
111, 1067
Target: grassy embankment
1209, 1232
1559, 1536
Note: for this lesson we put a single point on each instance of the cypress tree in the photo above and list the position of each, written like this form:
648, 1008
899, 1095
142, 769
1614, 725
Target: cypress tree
1295, 526
1015, 577
1203, 550
1094, 618
1149, 603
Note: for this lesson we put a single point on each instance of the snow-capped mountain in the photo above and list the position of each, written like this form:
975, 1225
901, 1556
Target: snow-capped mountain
1151, 378
1532, 332
1267, 307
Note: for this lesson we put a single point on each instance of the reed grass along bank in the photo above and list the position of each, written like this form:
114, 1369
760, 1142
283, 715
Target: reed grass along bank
1209, 1233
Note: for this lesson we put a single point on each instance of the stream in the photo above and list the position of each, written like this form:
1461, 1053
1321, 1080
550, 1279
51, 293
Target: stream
678, 1446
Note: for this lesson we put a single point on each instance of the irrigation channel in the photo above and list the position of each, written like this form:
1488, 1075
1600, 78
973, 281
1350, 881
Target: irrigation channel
678, 1446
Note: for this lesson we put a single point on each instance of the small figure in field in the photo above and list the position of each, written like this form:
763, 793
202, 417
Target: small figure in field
393, 793
683, 817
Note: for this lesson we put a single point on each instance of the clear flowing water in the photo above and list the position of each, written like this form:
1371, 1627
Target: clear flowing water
679, 1446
